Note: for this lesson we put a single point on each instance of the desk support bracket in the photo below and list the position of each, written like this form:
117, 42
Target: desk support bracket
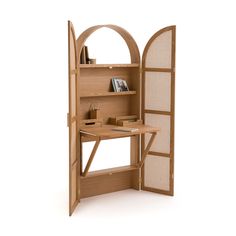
95, 147
144, 154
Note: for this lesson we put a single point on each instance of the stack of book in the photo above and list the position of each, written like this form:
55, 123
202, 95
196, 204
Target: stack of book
84, 57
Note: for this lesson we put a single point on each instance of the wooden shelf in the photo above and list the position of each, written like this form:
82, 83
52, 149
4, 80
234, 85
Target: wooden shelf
107, 132
110, 66
110, 171
106, 94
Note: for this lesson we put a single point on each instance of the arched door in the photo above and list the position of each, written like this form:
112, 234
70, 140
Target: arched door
72, 121
158, 90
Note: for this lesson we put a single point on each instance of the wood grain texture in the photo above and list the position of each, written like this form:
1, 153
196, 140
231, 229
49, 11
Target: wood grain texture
107, 183
172, 124
133, 48
110, 171
74, 149
134, 159
91, 157
96, 88
106, 94
106, 131
109, 106
108, 66
91, 84
146, 150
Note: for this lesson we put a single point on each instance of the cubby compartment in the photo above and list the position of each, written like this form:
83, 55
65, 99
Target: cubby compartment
96, 90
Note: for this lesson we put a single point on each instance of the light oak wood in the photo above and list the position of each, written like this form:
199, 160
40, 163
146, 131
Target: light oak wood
109, 105
133, 48
109, 66
157, 69
99, 79
90, 85
96, 88
91, 157
106, 132
159, 154
110, 171
129, 123
134, 159
74, 180
116, 119
172, 124
107, 94
92, 186
145, 152
158, 112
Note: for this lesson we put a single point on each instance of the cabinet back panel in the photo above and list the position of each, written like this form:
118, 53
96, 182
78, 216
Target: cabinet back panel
110, 106
99, 79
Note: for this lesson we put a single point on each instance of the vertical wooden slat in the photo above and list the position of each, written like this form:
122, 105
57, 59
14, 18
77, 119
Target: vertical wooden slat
134, 160
73, 123
172, 124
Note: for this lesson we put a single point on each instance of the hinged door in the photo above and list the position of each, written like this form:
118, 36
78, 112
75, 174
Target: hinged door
158, 91
72, 122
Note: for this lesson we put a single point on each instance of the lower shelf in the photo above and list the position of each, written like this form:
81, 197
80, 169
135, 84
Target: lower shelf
109, 180
110, 171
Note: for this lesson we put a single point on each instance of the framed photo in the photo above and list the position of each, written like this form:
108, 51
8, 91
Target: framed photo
119, 85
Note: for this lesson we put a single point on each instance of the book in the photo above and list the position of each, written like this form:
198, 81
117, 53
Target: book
125, 129
113, 84
83, 56
119, 85
87, 55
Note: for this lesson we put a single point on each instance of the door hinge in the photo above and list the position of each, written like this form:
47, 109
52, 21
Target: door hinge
74, 72
70, 119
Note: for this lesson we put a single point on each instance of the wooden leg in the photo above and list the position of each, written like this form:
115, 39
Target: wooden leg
134, 150
144, 154
134, 160
81, 156
91, 157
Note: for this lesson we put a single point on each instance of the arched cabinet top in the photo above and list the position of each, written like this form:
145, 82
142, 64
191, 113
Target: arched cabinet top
133, 48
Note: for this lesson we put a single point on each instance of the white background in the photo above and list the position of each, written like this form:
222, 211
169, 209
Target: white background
34, 137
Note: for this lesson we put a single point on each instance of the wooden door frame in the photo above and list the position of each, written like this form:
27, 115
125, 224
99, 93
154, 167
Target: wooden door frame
72, 119
172, 111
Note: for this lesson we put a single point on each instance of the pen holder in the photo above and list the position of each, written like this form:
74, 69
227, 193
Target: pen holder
95, 114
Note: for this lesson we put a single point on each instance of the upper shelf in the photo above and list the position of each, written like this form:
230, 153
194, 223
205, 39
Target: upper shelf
105, 94
108, 65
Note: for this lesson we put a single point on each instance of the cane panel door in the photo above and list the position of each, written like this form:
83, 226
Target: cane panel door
158, 92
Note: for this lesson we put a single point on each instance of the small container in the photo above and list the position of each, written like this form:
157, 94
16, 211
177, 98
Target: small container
92, 61
95, 114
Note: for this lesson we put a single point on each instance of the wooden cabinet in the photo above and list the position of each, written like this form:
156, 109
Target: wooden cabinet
150, 98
